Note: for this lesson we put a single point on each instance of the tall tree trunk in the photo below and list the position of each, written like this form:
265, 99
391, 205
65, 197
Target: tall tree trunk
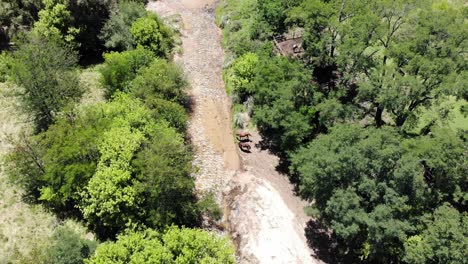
378, 116
401, 119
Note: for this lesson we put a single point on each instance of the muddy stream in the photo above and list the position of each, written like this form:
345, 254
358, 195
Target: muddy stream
261, 213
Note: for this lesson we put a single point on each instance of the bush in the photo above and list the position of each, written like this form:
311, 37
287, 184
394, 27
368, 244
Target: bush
116, 31
56, 21
67, 247
162, 173
173, 246
6, 63
121, 68
45, 71
242, 73
161, 79
171, 112
151, 33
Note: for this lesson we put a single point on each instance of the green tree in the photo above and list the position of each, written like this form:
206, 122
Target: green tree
89, 17
45, 71
68, 158
56, 21
241, 73
6, 62
373, 188
15, 16
67, 247
282, 92
175, 245
393, 55
271, 13
110, 201
118, 162
240, 26
121, 68
151, 33
443, 241
161, 79
116, 31
173, 113
162, 170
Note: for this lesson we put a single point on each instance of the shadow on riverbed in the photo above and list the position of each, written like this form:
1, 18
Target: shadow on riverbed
321, 241
325, 245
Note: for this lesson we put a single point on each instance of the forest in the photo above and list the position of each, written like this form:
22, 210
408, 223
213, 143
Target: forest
118, 165
368, 114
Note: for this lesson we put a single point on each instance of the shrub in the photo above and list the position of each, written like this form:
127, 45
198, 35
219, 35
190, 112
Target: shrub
172, 112
161, 79
151, 33
45, 70
121, 68
67, 247
176, 245
116, 31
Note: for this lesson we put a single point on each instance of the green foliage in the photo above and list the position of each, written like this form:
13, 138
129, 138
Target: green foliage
45, 71
240, 24
109, 200
113, 161
162, 170
280, 88
89, 17
401, 55
315, 16
241, 73
67, 247
184, 246
161, 79
372, 188
385, 61
56, 21
271, 13
121, 68
151, 33
209, 206
15, 16
444, 240
116, 31
6, 62
69, 158
171, 112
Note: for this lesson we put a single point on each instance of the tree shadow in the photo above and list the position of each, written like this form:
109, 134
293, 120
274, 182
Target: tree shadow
270, 143
189, 103
321, 240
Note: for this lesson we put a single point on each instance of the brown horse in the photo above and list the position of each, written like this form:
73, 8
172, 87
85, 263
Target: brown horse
244, 146
243, 135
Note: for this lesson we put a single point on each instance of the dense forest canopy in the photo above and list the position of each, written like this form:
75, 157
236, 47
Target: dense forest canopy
369, 117
122, 166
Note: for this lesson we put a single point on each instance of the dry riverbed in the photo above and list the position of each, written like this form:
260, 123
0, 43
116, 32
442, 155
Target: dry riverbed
262, 214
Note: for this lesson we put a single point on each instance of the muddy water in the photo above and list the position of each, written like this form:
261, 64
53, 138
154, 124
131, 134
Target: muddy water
262, 214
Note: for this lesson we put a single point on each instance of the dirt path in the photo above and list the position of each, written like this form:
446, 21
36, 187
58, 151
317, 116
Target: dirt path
263, 216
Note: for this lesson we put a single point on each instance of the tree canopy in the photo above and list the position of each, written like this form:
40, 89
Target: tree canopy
120, 68
116, 31
151, 33
44, 69
175, 245
116, 162
374, 188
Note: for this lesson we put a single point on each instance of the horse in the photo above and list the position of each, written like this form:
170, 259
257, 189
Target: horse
243, 135
244, 146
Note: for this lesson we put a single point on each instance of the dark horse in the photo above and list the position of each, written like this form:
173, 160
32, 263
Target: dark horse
243, 135
244, 146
